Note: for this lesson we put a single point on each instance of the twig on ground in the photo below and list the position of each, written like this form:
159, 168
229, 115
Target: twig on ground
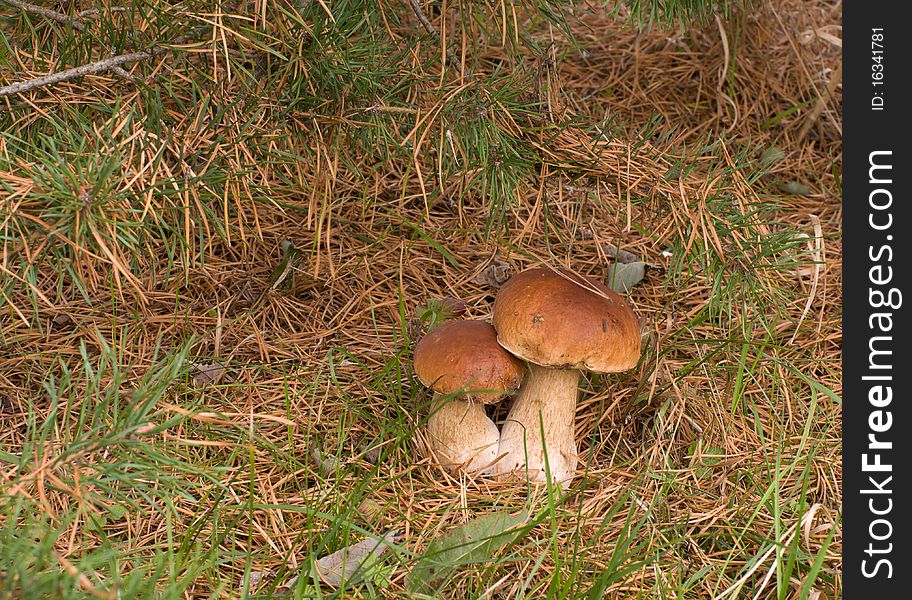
112, 64
123, 74
97, 11
429, 27
46, 13
108, 64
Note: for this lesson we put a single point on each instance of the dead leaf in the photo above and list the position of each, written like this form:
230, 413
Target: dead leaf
584, 233
327, 463
622, 256
63, 320
244, 299
623, 276
794, 188
345, 565
207, 374
370, 509
495, 274
372, 453
257, 577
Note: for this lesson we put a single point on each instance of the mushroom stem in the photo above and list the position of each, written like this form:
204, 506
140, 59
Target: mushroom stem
462, 435
540, 423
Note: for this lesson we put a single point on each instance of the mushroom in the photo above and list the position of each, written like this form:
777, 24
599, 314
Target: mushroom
464, 365
561, 323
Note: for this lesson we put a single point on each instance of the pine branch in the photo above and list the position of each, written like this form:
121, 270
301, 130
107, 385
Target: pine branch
109, 64
113, 63
46, 13
92, 12
429, 27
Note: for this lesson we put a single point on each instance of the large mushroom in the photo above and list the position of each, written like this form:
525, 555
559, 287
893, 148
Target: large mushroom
561, 323
464, 365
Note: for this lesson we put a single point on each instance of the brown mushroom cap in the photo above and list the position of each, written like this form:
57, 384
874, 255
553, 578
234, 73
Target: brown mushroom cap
566, 320
465, 356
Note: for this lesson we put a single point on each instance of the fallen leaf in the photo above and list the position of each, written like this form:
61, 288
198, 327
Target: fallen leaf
621, 255
474, 542
345, 566
207, 374
495, 274
795, 188
372, 454
370, 510
63, 320
327, 463
623, 276
584, 233
244, 299
257, 577
772, 155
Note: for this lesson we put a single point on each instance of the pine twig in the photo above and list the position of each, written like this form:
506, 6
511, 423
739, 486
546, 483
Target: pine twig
101, 66
122, 73
92, 12
47, 13
429, 27
112, 63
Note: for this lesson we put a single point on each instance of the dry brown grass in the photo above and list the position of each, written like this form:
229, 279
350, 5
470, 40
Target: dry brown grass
319, 361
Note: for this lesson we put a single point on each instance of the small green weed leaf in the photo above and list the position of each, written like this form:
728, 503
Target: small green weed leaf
708, 459
438, 310
772, 155
96, 522
290, 256
476, 541
348, 565
795, 188
623, 276
327, 463
117, 512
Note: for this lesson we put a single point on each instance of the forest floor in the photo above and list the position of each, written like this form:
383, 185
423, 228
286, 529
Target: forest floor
212, 277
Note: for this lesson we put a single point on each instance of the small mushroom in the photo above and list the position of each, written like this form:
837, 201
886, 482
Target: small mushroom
464, 365
561, 323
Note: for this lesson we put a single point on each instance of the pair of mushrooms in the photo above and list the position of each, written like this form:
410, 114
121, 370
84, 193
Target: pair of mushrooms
560, 323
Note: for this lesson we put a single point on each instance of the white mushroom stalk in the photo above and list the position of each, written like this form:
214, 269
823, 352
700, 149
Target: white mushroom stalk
538, 436
463, 363
560, 323
462, 436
